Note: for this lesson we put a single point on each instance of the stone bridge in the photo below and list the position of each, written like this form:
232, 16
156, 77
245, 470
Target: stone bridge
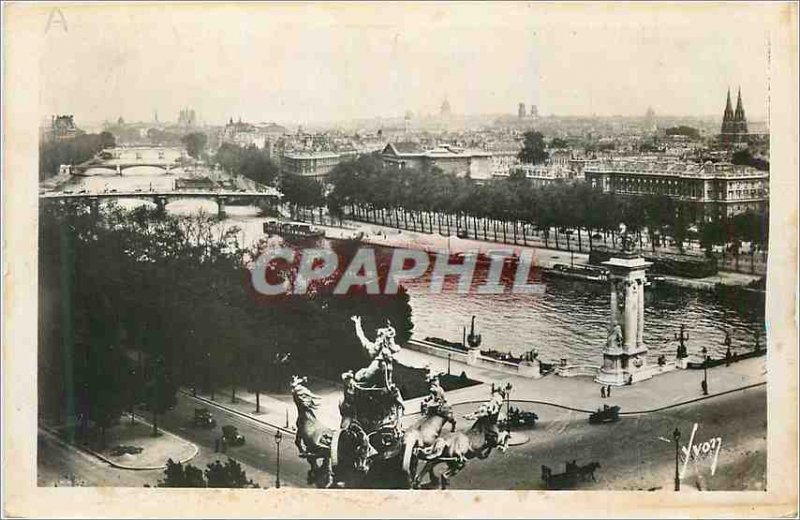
162, 198
120, 165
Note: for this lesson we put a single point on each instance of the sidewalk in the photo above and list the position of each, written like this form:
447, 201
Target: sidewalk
155, 450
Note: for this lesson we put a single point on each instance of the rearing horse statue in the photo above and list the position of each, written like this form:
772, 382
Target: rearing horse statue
436, 412
478, 441
313, 439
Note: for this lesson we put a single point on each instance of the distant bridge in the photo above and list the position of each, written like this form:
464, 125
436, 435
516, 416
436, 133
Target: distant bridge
163, 197
119, 165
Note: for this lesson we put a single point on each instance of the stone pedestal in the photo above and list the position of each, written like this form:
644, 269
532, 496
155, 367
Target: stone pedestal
624, 355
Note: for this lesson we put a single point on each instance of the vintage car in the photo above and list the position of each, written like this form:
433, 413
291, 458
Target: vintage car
203, 418
605, 415
517, 417
231, 436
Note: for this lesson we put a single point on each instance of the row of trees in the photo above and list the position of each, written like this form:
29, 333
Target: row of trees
433, 201
81, 148
134, 305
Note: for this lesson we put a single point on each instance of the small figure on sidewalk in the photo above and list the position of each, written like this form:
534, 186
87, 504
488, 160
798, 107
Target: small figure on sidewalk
608, 391
603, 392
704, 387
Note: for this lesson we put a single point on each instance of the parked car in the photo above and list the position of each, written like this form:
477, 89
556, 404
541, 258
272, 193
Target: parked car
231, 436
519, 417
203, 418
605, 415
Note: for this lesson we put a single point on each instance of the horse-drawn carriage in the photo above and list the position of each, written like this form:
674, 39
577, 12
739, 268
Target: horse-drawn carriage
371, 432
572, 474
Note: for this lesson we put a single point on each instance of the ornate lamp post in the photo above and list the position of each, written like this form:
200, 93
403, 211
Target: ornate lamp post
705, 370
508, 408
677, 436
682, 336
278, 439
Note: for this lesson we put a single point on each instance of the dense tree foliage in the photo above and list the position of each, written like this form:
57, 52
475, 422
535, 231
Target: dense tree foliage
195, 143
176, 475
745, 157
81, 148
684, 130
228, 475
217, 475
303, 192
533, 148
134, 305
250, 162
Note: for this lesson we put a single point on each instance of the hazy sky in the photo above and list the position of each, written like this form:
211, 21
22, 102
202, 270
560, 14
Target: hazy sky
306, 63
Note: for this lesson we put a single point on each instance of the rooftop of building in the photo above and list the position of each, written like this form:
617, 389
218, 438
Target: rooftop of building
682, 169
309, 154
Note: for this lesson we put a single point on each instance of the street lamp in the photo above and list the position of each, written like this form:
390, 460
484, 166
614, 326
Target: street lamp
677, 436
508, 408
278, 439
705, 370
682, 337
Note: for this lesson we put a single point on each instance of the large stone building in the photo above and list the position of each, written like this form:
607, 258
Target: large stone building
734, 123
540, 175
476, 164
709, 189
309, 164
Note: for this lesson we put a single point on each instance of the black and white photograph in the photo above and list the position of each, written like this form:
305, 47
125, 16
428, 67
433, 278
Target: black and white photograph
311, 248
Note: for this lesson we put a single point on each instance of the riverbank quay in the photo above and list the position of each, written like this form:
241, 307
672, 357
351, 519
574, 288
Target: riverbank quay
542, 257
582, 393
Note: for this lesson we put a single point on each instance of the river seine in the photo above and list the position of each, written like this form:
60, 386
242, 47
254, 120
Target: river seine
569, 320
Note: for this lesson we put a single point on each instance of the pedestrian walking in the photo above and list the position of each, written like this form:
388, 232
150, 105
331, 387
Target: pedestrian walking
603, 392
608, 391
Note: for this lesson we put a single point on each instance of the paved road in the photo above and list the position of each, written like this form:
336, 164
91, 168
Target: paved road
259, 450
631, 454
634, 453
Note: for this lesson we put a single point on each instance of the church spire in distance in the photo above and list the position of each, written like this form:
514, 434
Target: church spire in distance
739, 114
728, 115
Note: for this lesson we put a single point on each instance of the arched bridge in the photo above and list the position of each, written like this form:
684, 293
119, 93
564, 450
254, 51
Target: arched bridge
121, 165
162, 198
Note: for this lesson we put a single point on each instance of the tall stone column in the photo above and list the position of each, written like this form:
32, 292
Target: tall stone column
613, 303
640, 318
629, 322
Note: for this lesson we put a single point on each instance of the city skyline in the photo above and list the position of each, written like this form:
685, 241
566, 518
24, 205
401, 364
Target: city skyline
381, 61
